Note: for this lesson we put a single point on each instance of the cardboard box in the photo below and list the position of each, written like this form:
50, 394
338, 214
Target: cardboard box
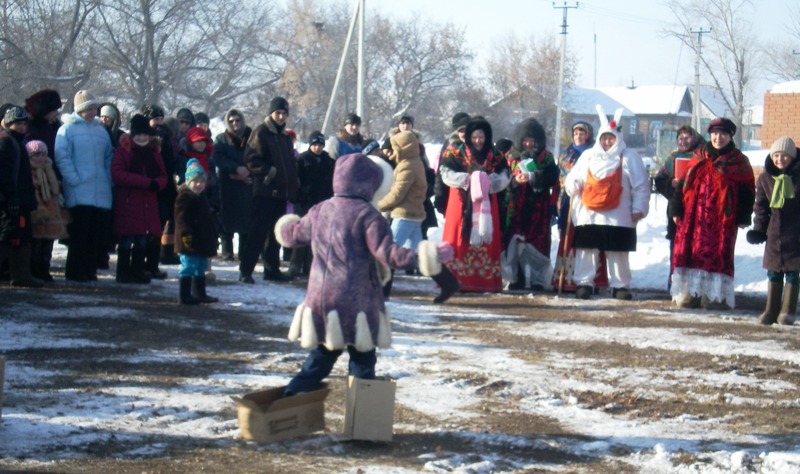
369, 413
2, 375
268, 416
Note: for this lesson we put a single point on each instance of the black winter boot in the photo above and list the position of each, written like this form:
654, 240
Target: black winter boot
774, 295
124, 274
226, 241
199, 291
152, 257
138, 273
19, 265
789, 308
186, 292
448, 283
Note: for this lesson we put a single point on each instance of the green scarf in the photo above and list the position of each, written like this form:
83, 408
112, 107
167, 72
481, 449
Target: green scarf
783, 190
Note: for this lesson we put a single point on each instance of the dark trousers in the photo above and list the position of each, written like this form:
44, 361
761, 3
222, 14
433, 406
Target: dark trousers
84, 242
261, 236
319, 365
41, 255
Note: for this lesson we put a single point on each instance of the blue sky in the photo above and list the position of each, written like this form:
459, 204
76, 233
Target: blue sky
630, 43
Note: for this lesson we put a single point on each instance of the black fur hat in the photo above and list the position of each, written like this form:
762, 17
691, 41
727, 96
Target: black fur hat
43, 102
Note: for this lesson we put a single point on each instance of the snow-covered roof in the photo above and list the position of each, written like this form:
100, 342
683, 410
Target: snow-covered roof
580, 101
713, 103
754, 115
651, 100
791, 87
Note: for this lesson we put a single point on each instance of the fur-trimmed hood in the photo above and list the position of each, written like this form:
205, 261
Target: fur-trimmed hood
358, 175
530, 127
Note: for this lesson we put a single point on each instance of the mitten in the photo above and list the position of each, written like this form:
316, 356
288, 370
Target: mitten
445, 251
756, 236
186, 240
270, 175
153, 185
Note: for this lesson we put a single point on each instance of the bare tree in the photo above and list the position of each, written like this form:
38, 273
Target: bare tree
783, 57
729, 53
312, 43
32, 60
522, 79
413, 66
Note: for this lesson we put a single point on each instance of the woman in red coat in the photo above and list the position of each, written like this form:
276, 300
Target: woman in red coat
714, 202
138, 174
475, 173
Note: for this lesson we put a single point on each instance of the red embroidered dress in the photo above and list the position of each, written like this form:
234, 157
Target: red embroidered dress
716, 199
476, 268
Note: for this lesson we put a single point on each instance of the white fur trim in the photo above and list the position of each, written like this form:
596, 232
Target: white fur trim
294, 329
308, 335
363, 335
386, 184
428, 258
286, 219
384, 330
334, 339
384, 273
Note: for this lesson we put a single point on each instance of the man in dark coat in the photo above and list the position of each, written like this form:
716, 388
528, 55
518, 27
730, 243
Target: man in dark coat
235, 182
270, 158
17, 199
315, 173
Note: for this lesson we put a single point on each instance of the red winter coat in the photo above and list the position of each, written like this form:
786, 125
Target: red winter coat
135, 202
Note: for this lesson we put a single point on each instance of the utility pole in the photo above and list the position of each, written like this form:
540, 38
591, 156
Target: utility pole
358, 14
559, 128
696, 101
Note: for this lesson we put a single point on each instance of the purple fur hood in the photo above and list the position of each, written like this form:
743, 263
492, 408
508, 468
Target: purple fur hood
351, 243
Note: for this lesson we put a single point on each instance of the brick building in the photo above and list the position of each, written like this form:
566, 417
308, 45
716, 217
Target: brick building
781, 113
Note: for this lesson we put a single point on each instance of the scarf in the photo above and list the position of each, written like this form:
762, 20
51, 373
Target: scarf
783, 190
481, 209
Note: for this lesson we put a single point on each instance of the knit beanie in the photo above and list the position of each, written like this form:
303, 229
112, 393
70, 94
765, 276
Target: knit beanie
316, 138
185, 115
84, 100
352, 118
151, 111
141, 126
785, 145
200, 117
721, 124
460, 120
15, 113
108, 111
406, 118
36, 146
193, 170
195, 134
278, 103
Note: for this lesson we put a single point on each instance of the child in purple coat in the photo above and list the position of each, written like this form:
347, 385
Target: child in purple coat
353, 251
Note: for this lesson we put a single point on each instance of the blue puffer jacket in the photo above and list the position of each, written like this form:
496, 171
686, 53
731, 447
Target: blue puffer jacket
83, 156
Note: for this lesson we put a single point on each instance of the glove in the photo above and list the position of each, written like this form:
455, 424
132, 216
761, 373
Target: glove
270, 175
186, 240
756, 236
153, 185
445, 251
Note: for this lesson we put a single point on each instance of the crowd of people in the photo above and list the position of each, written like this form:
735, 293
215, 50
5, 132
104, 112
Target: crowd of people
166, 191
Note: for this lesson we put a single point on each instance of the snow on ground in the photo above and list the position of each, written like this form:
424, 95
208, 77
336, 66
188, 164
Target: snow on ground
425, 350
